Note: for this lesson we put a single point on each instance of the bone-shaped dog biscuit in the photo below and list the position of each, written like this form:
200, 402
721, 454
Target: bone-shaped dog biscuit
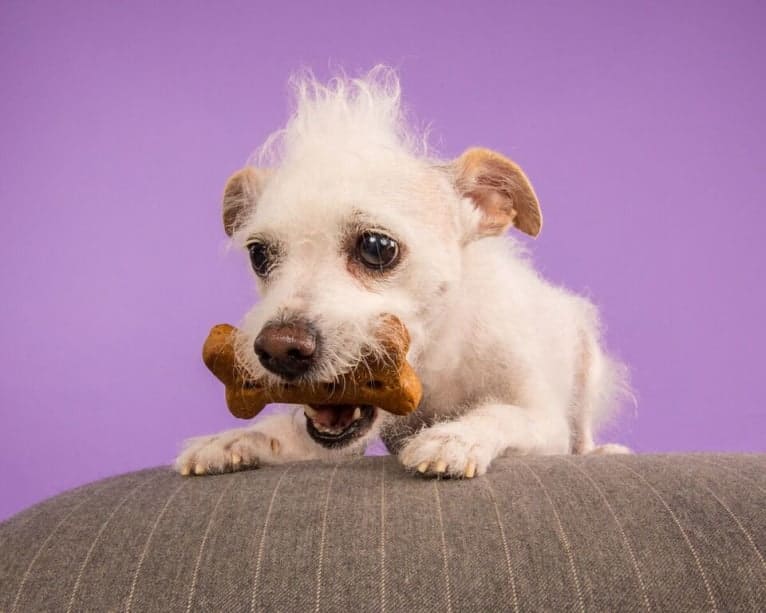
385, 381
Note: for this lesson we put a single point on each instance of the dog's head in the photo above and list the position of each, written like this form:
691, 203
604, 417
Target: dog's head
350, 222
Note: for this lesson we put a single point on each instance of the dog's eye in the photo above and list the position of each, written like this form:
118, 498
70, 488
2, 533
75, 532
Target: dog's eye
260, 258
377, 250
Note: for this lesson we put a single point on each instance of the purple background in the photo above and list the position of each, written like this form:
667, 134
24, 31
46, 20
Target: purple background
642, 127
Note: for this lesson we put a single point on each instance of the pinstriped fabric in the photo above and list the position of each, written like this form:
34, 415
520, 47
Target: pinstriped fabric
382, 537
740, 526
262, 540
506, 551
758, 577
737, 473
290, 556
36, 513
100, 531
73, 542
320, 559
366, 536
711, 598
145, 550
562, 536
608, 506
447, 586
202, 544
41, 548
353, 524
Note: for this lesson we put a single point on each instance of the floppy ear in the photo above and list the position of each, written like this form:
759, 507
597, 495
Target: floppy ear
240, 195
499, 190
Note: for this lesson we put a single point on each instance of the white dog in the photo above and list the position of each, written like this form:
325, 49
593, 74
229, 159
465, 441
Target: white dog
350, 219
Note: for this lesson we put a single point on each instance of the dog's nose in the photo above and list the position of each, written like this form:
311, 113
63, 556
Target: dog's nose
286, 349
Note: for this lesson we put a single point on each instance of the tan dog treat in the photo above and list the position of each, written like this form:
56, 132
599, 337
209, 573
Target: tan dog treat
387, 382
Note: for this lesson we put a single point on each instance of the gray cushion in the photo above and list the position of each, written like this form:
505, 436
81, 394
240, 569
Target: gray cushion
627, 533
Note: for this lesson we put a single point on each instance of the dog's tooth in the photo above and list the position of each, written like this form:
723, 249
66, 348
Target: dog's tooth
357, 414
310, 412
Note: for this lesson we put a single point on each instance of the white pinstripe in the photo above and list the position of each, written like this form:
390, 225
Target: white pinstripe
322, 540
562, 535
258, 560
506, 549
444, 547
202, 545
383, 537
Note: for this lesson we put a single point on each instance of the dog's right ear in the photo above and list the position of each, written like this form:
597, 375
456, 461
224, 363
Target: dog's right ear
240, 195
500, 192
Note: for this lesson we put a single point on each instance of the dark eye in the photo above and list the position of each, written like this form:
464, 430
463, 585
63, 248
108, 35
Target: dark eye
377, 250
260, 258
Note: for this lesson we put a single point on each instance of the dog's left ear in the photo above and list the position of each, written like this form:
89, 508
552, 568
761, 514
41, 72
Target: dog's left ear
499, 190
240, 196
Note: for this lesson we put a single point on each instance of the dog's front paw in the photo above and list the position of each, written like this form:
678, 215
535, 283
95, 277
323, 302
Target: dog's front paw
610, 449
445, 450
226, 452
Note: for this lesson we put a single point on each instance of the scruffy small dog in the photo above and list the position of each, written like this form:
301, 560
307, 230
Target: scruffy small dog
349, 219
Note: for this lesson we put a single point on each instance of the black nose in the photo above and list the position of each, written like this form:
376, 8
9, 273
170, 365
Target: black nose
287, 349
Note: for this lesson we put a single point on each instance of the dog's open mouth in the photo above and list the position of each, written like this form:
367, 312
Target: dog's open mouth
336, 425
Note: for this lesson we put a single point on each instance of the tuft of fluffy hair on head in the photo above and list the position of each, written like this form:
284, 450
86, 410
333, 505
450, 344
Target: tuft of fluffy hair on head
344, 113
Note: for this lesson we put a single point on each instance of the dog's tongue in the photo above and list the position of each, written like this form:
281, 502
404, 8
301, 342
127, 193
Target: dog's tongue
334, 416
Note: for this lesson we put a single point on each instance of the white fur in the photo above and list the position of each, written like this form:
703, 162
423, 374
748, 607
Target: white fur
508, 362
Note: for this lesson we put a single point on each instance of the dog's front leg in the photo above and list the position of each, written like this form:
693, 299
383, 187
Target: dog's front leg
273, 440
465, 446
